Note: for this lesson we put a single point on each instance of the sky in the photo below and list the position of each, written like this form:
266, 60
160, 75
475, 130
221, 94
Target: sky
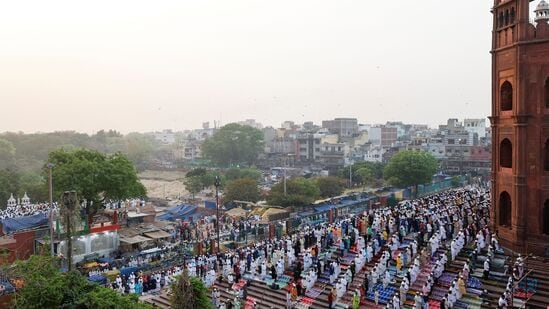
152, 65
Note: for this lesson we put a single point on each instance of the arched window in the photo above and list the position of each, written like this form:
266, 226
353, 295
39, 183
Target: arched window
507, 17
546, 93
513, 15
506, 96
506, 153
546, 218
505, 209
500, 20
546, 156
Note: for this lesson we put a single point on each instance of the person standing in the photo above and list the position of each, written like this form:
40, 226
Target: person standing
356, 300
331, 298
486, 268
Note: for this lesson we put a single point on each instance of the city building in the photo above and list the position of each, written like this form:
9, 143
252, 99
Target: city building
166, 137
389, 135
251, 123
343, 127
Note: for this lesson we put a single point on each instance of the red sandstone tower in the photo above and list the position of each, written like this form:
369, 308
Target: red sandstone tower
520, 125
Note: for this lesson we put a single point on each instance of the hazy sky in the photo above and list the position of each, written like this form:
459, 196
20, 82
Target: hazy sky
149, 65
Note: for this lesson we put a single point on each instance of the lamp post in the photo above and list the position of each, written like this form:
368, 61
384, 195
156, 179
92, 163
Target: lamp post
217, 183
50, 167
70, 202
350, 175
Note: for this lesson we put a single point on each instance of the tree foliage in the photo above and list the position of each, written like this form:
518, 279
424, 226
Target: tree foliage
234, 144
193, 184
94, 176
45, 287
366, 176
189, 293
243, 189
239, 173
410, 168
7, 154
376, 169
300, 192
17, 183
330, 186
31, 150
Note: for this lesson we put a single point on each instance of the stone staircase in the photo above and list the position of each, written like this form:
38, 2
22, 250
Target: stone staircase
161, 300
537, 283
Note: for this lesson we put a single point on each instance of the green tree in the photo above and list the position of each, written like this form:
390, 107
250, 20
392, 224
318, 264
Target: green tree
7, 154
189, 293
121, 181
243, 189
94, 176
375, 167
139, 148
411, 168
193, 184
330, 186
9, 184
366, 176
199, 172
299, 192
45, 287
239, 173
234, 144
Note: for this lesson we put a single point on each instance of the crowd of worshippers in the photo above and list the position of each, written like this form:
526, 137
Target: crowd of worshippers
449, 219
130, 203
139, 282
517, 274
23, 210
231, 229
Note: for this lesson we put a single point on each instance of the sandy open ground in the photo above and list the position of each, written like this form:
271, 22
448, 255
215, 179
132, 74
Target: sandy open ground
163, 184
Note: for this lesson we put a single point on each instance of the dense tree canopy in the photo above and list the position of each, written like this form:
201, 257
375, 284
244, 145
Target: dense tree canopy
190, 293
330, 186
7, 154
411, 168
31, 150
300, 192
239, 173
193, 184
375, 170
46, 287
17, 183
234, 144
199, 179
244, 189
366, 176
94, 176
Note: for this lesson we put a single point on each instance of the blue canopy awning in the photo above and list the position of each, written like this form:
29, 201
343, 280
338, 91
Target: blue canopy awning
324, 207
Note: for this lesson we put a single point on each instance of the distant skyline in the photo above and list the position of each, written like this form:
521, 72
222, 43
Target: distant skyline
147, 66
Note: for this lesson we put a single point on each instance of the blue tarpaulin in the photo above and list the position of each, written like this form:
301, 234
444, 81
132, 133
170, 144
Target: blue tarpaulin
11, 225
325, 207
126, 271
178, 212
105, 260
98, 279
8, 287
210, 204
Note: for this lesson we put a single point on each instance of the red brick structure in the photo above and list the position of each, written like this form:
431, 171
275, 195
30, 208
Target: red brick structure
18, 246
520, 125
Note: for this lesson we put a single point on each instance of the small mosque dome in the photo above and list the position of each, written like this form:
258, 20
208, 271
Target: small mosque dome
26, 199
542, 11
11, 200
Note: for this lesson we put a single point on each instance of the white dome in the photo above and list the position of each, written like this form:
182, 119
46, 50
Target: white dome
542, 11
542, 6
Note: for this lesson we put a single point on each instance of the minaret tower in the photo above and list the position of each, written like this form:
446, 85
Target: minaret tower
520, 125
